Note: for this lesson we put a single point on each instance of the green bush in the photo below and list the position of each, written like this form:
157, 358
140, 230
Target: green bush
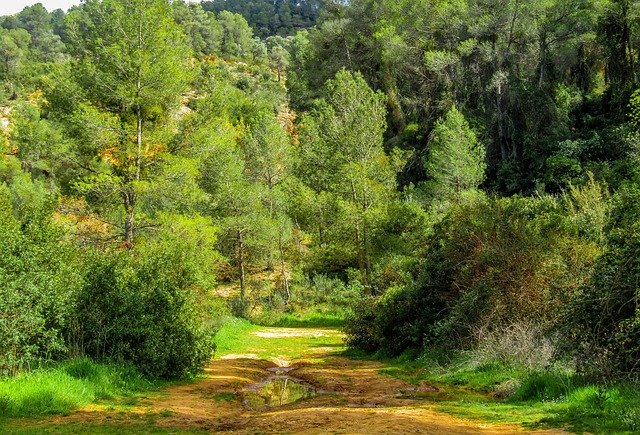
402, 319
141, 309
37, 278
605, 321
490, 264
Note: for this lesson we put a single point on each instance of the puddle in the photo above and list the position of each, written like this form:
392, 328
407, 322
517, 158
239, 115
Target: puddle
276, 391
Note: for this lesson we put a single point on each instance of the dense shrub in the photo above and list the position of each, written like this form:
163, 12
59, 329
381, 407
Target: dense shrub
37, 278
490, 264
141, 309
605, 318
401, 319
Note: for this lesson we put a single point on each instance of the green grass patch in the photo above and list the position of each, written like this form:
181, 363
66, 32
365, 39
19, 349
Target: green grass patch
310, 319
498, 393
234, 336
69, 386
238, 336
225, 397
144, 424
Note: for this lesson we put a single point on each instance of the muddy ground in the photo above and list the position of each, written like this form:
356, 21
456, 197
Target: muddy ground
347, 396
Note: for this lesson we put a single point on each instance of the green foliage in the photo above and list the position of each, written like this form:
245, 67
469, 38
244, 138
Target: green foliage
605, 316
114, 54
14, 44
344, 161
38, 278
44, 43
66, 387
236, 35
202, 27
490, 263
281, 17
131, 62
143, 311
40, 142
456, 160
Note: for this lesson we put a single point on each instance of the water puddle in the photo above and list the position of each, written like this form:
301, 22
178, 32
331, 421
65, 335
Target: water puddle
276, 391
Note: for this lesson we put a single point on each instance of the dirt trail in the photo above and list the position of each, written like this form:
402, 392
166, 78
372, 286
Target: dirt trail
353, 398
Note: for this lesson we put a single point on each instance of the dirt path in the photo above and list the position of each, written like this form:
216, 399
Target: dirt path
349, 396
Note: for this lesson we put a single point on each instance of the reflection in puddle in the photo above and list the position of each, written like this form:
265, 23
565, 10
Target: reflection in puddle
277, 391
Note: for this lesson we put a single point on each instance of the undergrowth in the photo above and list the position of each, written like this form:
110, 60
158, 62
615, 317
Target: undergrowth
66, 387
314, 302
498, 392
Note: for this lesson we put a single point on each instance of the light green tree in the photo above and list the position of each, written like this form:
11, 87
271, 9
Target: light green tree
236, 35
14, 46
269, 154
456, 160
133, 65
236, 174
344, 154
236, 204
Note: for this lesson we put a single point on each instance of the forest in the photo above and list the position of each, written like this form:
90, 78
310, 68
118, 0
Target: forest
453, 185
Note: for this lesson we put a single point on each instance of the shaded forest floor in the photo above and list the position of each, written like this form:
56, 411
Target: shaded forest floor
339, 395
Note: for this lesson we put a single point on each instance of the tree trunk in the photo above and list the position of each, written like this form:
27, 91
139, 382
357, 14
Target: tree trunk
283, 271
243, 284
501, 136
129, 201
138, 140
542, 59
366, 258
270, 262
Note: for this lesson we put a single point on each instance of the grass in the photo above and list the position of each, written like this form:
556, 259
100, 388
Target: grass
308, 319
235, 337
224, 397
498, 393
66, 387
143, 424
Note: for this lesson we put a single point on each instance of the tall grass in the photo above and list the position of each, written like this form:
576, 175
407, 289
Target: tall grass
510, 393
67, 387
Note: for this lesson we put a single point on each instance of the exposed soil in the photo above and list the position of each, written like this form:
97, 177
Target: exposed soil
353, 398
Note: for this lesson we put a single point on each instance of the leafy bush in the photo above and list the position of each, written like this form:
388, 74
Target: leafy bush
141, 309
604, 315
490, 264
401, 319
37, 277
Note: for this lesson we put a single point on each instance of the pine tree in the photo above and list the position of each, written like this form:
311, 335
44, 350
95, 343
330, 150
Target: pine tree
456, 160
133, 64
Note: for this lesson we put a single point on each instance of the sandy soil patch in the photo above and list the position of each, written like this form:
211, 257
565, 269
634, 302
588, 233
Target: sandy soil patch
294, 332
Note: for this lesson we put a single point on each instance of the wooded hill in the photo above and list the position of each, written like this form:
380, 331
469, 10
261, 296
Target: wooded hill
447, 172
